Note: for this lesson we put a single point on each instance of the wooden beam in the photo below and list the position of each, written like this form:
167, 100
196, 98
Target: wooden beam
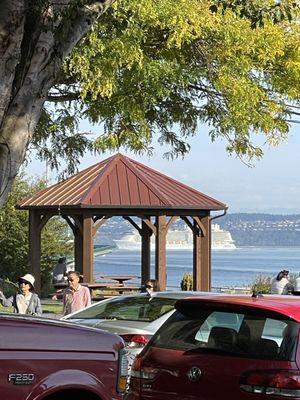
35, 248
200, 225
171, 220
44, 219
150, 225
146, 233
160, 251
133, 223
197, 260
78, 222
189, 223
70, 223
103, 218
88, 249
97, 223
78, 256
206, 255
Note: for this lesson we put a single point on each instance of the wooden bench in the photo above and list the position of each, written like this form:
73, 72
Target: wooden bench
111, 286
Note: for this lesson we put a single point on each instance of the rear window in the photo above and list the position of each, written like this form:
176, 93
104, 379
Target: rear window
131, 308
237, 334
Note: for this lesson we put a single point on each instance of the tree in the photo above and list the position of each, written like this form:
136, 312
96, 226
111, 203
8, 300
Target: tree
257, 11
153, 70
14, 236
147, 66
35, 39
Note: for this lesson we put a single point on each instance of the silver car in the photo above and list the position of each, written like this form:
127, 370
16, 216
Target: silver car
135, 317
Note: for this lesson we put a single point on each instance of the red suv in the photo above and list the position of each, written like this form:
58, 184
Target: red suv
236, 347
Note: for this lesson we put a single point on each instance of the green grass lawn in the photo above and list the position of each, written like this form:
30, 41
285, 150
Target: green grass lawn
53, 308
48, 307
6, 309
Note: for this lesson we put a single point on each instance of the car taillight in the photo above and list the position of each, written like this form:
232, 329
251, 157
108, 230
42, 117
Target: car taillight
123, 371
139, 372
135, 381
285, 383
135, 341
142, 372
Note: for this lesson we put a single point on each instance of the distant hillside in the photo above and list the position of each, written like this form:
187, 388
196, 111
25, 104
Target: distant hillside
262, 229
246, 229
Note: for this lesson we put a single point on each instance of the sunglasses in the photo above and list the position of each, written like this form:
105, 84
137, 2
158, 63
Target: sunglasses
149, 286
24, 282
70, 280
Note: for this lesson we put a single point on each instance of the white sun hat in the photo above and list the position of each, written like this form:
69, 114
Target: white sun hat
28, 278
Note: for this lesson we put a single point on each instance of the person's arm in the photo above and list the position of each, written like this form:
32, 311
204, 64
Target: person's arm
38, 307
64, 303
6, 302
289, 286
88, 301
65, 271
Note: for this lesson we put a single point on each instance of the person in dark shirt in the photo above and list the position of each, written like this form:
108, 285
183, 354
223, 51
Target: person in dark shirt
60, 271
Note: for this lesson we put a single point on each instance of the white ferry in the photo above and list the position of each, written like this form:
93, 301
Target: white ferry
180, 240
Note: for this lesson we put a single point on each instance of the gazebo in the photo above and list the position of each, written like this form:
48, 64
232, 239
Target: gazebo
121, 186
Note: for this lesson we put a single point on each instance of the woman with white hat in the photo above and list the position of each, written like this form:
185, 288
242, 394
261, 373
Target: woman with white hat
26, 302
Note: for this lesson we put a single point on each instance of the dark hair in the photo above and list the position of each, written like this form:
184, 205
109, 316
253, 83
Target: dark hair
154, 283
282, 274
62, 260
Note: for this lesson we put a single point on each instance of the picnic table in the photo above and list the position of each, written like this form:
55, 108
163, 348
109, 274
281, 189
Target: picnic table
120, 278
119, 287
112, 286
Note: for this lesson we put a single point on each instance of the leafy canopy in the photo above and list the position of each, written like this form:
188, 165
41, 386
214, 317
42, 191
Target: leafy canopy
153, 70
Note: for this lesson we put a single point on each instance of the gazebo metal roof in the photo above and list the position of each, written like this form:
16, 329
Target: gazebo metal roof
121, 182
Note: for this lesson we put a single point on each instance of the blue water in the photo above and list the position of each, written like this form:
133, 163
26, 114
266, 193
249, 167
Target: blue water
229, 267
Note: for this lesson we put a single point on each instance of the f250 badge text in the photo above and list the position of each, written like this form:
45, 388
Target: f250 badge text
21, 379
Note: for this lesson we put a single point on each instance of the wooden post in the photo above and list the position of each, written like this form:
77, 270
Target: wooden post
206, 255
88, 249
78, 245
35, 248
160, 251
145, 256
78, 242
197, 270
201, 254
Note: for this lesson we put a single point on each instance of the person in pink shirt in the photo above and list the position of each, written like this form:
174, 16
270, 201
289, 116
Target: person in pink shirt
76, 296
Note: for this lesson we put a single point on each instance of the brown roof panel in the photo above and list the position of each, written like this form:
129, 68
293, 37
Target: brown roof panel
175, 192
123, 177
121, 181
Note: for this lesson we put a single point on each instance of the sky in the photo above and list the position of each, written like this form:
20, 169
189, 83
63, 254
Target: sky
271, 186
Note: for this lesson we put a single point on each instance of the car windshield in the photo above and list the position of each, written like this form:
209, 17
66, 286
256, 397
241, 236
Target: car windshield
237, 334
128, 308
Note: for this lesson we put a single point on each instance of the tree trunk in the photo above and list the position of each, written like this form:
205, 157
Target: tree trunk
34, 42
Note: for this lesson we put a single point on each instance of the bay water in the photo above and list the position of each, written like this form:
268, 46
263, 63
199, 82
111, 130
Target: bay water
238, 267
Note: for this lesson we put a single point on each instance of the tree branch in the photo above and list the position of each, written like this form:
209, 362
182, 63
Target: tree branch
205, 89
12, 19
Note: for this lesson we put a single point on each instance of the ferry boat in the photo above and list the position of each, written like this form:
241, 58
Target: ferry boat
180, 240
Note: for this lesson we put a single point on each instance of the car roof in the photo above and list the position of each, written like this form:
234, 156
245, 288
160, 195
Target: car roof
177, 295
287, 306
